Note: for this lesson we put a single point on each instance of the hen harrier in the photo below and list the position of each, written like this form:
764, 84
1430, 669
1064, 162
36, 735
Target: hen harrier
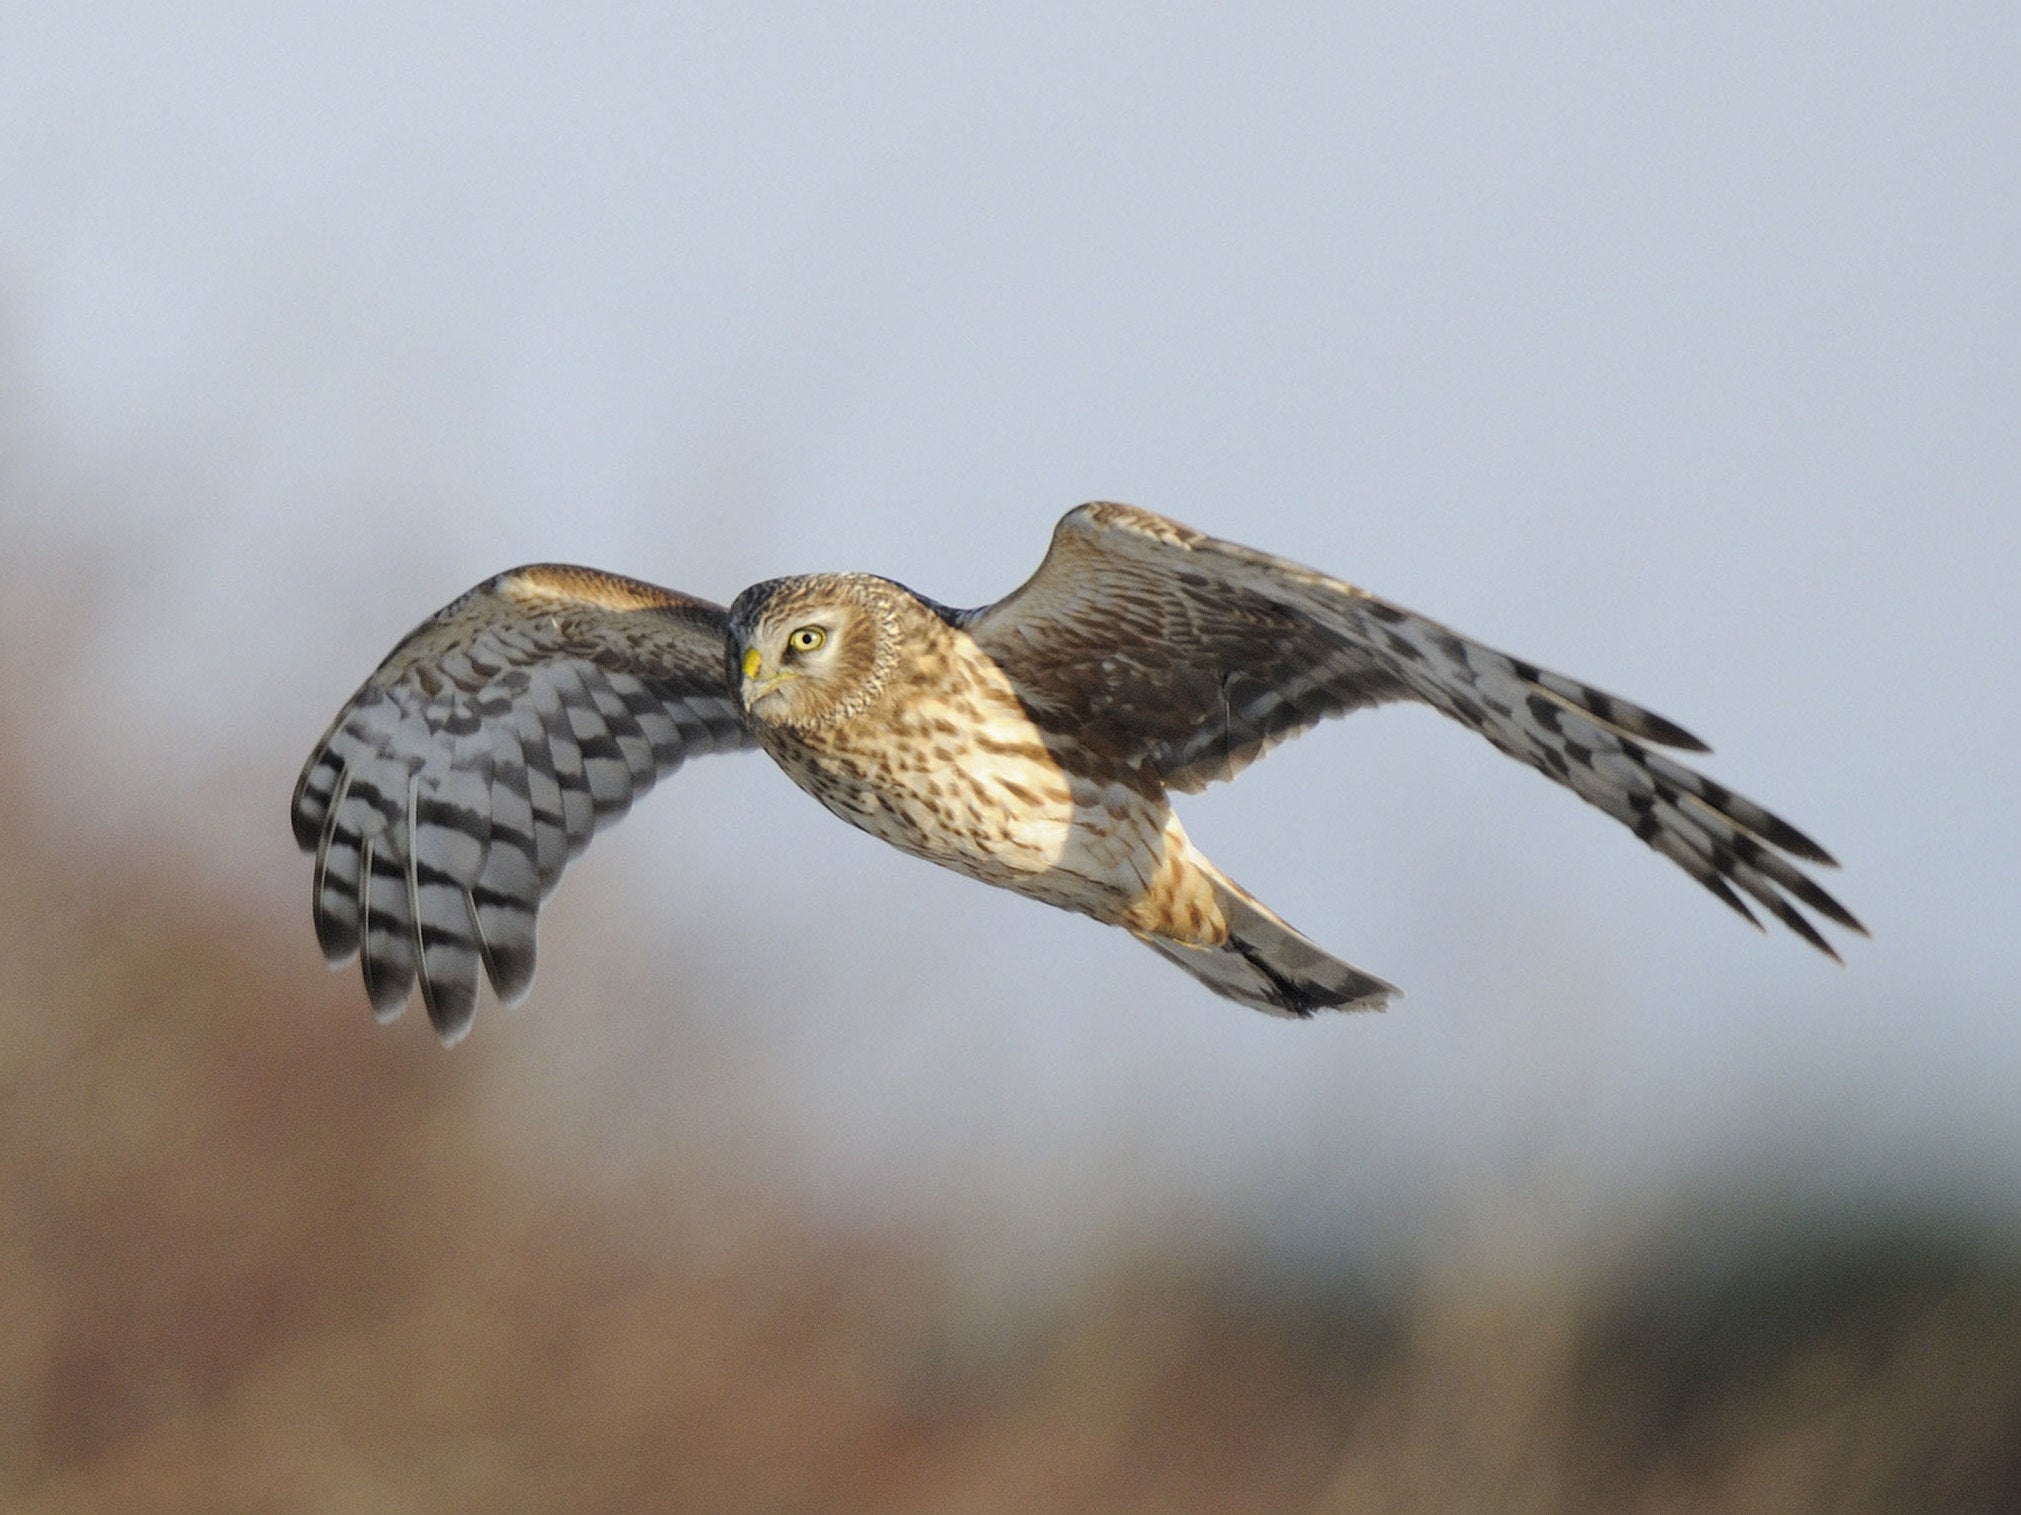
1030, 744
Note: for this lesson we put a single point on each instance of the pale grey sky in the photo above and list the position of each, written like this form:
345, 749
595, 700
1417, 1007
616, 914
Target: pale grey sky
1675, 348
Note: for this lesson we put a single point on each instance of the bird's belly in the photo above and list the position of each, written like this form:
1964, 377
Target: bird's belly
1003, 812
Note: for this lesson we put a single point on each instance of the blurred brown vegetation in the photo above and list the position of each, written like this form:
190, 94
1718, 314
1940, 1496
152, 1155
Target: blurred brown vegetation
257, 1255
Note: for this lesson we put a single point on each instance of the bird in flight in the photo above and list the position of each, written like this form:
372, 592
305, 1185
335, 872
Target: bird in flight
1032, 744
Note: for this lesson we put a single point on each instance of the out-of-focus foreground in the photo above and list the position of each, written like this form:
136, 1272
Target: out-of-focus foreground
257, 1255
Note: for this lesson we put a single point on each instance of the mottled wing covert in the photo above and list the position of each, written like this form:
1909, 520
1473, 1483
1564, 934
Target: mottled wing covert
449, 794
1157, 645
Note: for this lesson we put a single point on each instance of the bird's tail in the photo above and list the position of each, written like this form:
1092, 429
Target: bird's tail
1267, 965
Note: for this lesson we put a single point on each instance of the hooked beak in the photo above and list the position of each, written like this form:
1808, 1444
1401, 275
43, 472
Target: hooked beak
757, 682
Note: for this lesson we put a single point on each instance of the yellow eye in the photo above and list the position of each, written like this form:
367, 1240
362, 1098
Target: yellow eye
806, 639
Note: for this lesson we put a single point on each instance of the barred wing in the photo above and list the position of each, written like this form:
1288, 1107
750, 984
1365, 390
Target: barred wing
449, 794
1192, 657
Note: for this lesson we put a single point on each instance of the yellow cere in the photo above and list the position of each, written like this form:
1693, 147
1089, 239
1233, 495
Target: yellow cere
752, 663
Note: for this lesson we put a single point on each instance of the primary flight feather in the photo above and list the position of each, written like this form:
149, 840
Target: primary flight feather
1030, 744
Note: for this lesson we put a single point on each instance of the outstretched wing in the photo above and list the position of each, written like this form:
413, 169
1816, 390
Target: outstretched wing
1193, 657
449, 794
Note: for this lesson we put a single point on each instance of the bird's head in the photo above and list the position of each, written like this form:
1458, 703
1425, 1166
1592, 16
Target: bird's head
810, 651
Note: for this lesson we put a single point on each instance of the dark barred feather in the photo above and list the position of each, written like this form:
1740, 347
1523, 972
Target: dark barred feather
1196, 656
447, 797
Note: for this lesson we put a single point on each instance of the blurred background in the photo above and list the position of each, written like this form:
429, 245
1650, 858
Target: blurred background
1676, 351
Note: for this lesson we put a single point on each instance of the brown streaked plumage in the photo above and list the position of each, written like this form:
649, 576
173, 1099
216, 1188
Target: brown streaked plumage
1030, 744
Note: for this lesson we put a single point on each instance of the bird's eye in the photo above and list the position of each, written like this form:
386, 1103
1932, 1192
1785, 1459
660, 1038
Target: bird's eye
806, 639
